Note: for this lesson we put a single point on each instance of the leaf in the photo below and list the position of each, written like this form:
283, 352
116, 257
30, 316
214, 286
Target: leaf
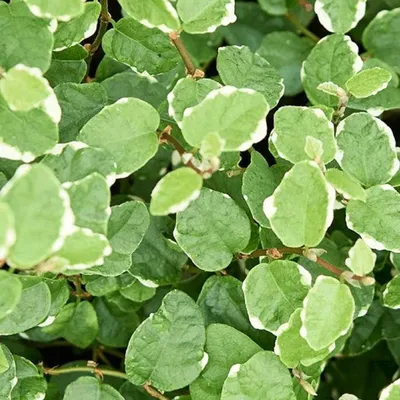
379, 37
126, 130
211, 230
91, 389
32, 308
175, 191
304, 198
360, 135
75, 30
126, 229
43, 217
368, 82
8, 375
103, 285
28, 34
286, 51
138, 292
274, 7
361, 258
7, 230
391, 392
292, 349
79, 103
205, 16
339, 55
391, 295
179, 323
345, 185
144, 49
340, 16
10, 293
187, 93
153, 14
348, 397
64, 10
248, 381
259, 182
90, 202
240, 67
273, 292
220, 112
327, 314
292, 127
225, 347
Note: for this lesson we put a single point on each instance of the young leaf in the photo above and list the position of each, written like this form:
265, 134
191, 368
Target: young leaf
43, 216
90, 388
368, 82
126, 130
249, 381
220, 112
211, 230
7, 230
10, 293
306, 199
175, 191
391, 392
391, 295
345, 185
63, 10
179, 323
361, 258
207, 15
340, 16
240, 67
292, 127
153, 13
327, 314
360, 135
273, 292
339, 55
225, 347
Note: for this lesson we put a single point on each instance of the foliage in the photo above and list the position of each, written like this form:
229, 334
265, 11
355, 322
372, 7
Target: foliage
199, 199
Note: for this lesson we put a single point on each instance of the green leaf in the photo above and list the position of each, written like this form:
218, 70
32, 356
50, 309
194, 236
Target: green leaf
8, 375
292, 349
293, 125
211, 230
240, 67
249, 381
7, 230
286, 51
368, 82
219, 112
273, 292
126, 130
207, 15
138, 292
153, 13
379, 37
339, 55
28, 33
361, 258
376, 62
43, 217
3, 361
63, 10
391, 392
175, 191
327, 314
391, 295
126, 229
81, 27
340, 17
345, 185
103, 285
348, 397
360, 135
142, 48
306, 199
10, 293
187, 93
225, 347
32, 308
179, 323
79, 103
274, 7
90, 388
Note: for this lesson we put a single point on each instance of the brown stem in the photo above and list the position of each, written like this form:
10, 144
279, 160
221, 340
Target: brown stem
154, 393
279, 252
300, 27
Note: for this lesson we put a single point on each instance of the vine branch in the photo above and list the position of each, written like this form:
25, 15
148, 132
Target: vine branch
299, 26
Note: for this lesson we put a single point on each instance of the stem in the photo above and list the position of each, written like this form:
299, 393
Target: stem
279, 252
190, 67
302, 28
93, 370
153, 392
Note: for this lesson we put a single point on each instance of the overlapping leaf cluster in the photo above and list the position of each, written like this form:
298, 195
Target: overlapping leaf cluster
141, 221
